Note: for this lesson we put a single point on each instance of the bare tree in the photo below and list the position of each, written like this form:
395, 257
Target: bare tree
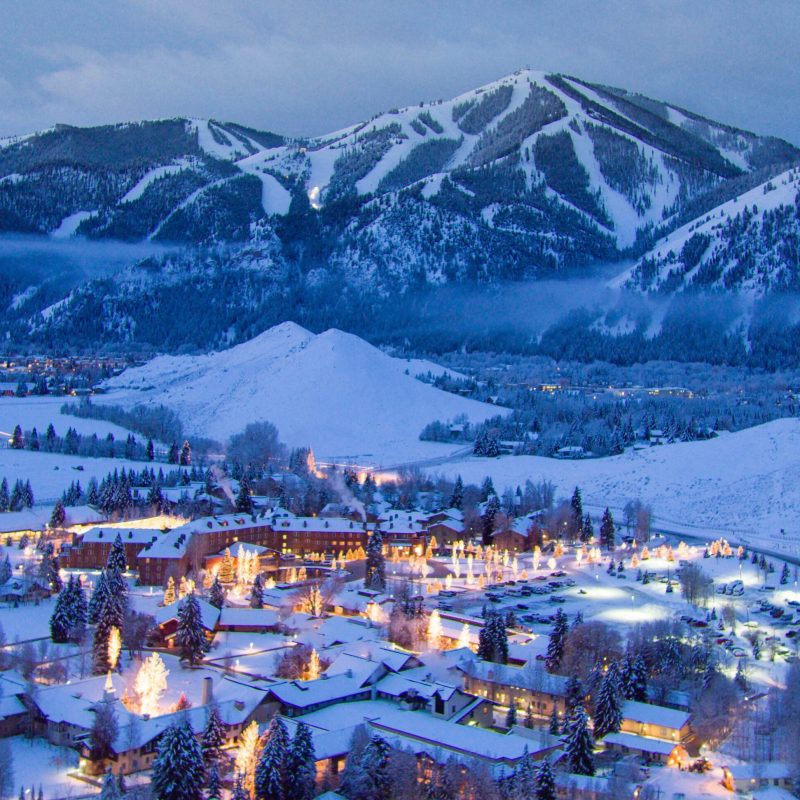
696, 586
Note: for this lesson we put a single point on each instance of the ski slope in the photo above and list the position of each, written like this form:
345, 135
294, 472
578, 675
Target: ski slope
332, 391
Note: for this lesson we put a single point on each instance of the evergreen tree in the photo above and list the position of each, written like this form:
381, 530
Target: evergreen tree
216, 595
16, 501
493, 639
587, 530
257, 593
607, 534
608, 714
58, 516
457, 498
579, 745
173, 454
511, 715
27, 495
239, 792
545, 782
785, 574
574, 694
558, 636
61, 619
104, 732
33, 440
301, 770
490, 513
374, 764
244, 501
375, 575
554, 727
213, 784
213, 739
178, 766
190, 635
270, 778
185, 457
577, 511
110, 789
116, 556
5, 570
639, 680
5, 499
17, 442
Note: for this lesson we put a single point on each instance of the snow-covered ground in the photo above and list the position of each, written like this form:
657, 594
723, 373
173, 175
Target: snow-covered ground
333, 391
746, 482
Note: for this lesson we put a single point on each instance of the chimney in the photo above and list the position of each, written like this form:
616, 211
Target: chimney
208, 690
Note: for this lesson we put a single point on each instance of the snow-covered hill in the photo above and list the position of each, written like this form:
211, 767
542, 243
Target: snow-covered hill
746, 481
332, 391
751, 242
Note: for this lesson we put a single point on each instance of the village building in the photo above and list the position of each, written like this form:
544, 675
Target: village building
655, 722
90, 550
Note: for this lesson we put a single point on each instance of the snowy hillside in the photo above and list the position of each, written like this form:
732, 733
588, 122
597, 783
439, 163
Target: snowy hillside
332, 391
751, 242
746, 481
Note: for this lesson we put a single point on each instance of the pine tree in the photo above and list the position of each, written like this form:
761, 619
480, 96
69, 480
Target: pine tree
216, 595
785, 574
257, 593
608, 715
573, 695
270, 776
374, 763
607, 534
213, 783
33, 440
58, 516
239, 791
226, 573
555, 647
554, 727
150, 450
457, 498
511, 715
190, 635
110, 789
17, 442
579, 745
487, 489
375, 575
27, 495
213, 739
244, 502
5, 499
185, 457
577, 511
173, 455
5, 570
490, 513
61, 621
301, 770
178, 766
116, 556
639, 680
545, 782
587, 530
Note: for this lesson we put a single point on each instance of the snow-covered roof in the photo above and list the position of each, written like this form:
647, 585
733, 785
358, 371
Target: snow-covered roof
765, 769
315, 524
363, 670
82, 515
11, 706
398, 685
303, 694
174, 543
640, 743
394, 659
133, 536
424, 732
648, 714
246, 617
208, 614
26, 520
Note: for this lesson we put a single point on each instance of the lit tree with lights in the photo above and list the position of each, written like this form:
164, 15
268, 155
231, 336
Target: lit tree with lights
114, 648
151, 683
226, 573
169, 593
247, 757
434, 633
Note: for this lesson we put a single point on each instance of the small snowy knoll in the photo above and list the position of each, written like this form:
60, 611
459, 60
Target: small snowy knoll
745, 481
333, 391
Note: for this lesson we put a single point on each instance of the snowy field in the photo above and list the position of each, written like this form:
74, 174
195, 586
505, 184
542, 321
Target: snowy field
746, 482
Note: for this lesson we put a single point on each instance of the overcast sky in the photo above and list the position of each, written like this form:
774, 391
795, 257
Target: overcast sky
310, 67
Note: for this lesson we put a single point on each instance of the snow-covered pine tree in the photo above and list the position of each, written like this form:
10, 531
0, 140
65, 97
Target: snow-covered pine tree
573, 695
545, 782
257, 593
579, 744
5, 570
577, 510
555, 646
116, 556
190, 635
587, 529
61, 619
213, 783
554, 727
607, 715
270, 778
457, 498
511, 715
375, 765
607, 534
178, 765
213, 738
58, 516
301, 771
110, 788
375, 575
216, 594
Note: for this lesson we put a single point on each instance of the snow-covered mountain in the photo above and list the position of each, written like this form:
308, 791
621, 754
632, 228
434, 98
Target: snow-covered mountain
534, 175
751, 242
333, 391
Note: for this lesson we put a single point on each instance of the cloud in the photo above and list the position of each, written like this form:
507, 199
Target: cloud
309, 67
